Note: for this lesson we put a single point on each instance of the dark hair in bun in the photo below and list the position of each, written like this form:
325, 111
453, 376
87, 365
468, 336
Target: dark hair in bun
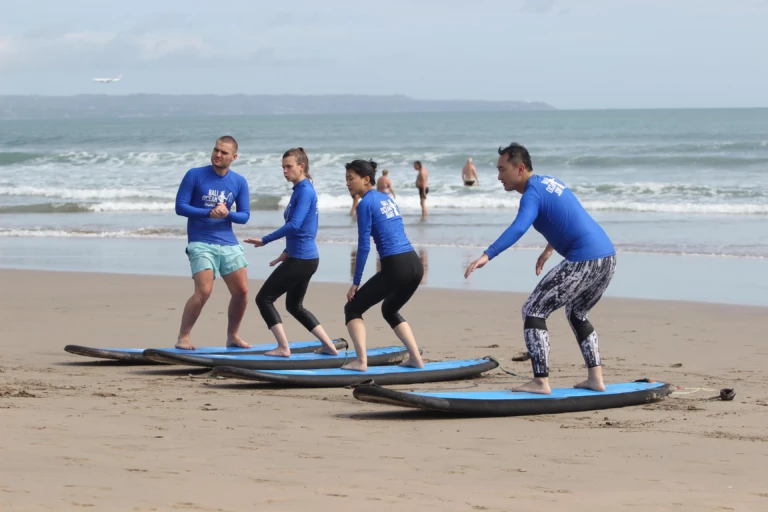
363, 168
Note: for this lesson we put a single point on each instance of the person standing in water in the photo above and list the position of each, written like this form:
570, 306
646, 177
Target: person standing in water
422, 185
401, 270
469, 174
298, 262
577, 283
206, 196
355, 202
384, 184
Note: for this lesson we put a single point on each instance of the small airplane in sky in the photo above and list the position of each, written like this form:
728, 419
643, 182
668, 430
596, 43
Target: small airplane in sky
108, 80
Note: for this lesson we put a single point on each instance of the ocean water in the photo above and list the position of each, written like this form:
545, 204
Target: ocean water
669, 182
679, 182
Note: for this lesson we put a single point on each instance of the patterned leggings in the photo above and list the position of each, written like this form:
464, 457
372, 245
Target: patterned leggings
578, 286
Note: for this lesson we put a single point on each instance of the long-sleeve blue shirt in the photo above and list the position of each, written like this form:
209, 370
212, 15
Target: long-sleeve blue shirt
378, 216
200, 191
300, 228
554, 211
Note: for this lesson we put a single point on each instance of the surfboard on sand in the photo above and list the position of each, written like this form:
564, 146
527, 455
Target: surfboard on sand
136, 355
376, 357
510, 403
337, 377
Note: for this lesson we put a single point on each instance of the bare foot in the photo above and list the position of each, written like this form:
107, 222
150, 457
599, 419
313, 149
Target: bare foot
329, 350
538, 386
235, 341
410, 363
594, 385
184, 344
356, 365
279, 352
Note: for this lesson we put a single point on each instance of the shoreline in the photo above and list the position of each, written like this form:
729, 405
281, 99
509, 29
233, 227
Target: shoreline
652, 276
256, 282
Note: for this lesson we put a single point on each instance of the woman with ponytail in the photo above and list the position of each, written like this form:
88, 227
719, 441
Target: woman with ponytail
299, 260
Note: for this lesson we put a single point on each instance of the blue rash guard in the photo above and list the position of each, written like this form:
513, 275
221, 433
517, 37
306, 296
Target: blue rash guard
300, 227
378, 216
554, 211
199, 192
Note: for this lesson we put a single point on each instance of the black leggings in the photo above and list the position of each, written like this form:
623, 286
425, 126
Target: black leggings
291, 277
395, 284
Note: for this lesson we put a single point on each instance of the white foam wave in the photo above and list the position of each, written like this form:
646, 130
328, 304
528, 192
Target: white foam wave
129, 159
82, 233
698, 208
131, 207
86, 193
646, 188
411, 202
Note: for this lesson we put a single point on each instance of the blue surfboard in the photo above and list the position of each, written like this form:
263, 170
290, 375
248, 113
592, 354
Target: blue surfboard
337, 377
511, 403
376, 357
136, 355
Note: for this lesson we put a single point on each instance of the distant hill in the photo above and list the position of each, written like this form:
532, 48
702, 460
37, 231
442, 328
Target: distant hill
159, 105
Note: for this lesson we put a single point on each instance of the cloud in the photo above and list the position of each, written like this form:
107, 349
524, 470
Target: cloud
153, 46
292, 18
6, 48
538, 6
87, 38
54, 49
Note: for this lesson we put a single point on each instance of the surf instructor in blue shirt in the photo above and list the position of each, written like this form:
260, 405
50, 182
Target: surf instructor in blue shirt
206, 197
577, 283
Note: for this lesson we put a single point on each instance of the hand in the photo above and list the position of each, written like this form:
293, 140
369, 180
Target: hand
220, 211
256, 242
542, 260
283, 256
352, 291
478, 263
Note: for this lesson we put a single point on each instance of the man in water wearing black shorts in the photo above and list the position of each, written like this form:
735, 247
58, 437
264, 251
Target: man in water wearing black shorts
422, 184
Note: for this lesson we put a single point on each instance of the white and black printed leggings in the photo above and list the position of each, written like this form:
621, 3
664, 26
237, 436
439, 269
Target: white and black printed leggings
577, 286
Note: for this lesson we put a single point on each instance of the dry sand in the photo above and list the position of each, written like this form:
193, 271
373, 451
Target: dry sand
82, 434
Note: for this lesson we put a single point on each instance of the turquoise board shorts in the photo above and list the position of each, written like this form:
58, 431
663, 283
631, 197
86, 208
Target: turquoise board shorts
222, 259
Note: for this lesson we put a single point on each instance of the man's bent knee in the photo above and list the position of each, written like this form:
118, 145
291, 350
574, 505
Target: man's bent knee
203, 290
582, 327
239, 293
535, 322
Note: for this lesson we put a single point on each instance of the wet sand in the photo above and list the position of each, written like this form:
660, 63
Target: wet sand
78, 433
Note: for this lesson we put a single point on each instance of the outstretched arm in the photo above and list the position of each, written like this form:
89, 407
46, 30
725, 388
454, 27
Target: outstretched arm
529, 210
295, 219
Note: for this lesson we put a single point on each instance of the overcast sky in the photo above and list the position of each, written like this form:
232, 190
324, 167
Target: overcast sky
569, 53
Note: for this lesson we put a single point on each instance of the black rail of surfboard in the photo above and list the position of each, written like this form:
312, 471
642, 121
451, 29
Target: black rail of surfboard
377, 394
332, 381
276, 363
139, 358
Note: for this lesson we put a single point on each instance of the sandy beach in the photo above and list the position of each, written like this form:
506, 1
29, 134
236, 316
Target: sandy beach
97, 435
